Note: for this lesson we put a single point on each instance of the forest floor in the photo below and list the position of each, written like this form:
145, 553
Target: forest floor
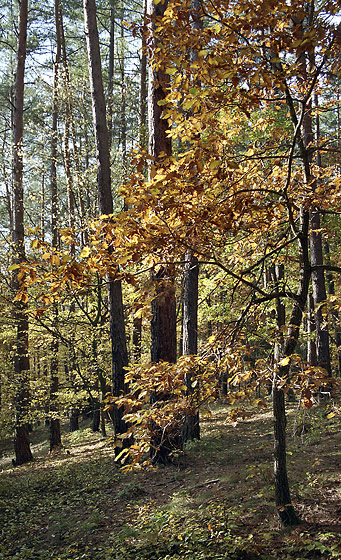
215, 503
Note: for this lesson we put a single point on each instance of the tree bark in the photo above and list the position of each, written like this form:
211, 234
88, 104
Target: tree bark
21, 360
55, 436
316, 247
190, 339
285, 509
117, 326
110, 95
163, 324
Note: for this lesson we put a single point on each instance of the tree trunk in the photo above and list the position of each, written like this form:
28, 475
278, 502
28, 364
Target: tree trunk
55, 437
74, 420
190, 339
163, 324
117, 326
284, 506
21, 360
137, 321
316, 248
110, 95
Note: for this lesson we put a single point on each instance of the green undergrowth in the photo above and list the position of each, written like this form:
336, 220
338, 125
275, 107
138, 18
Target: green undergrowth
215, 503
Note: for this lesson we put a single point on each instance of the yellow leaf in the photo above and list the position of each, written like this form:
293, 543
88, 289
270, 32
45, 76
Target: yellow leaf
55, 260
214, 164
285, 361
13, 267
46, 256
34, 243
85, 252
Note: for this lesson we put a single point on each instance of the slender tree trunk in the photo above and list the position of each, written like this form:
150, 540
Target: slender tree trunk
21, 360
73, 176
316, 247
123, 115
163, 324
284, 505
55, 436
111, 69
190, 338
137, 321
117, 326
163, 308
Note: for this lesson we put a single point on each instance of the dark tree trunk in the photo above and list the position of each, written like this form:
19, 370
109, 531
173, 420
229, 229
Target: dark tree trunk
21, 360
316, 248
190, 306
284, 505
137, 321
117, 326
55, 436
319, 293
143, 87
74, 420
163, 324
190, 339
111, 67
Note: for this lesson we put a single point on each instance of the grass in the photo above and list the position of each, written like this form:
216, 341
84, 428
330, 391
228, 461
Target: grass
216, 503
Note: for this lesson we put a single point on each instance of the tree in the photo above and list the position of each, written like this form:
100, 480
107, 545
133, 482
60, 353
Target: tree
55, 437
246, 178
21, 361
117, 326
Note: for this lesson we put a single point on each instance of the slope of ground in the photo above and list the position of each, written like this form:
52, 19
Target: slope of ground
215, 503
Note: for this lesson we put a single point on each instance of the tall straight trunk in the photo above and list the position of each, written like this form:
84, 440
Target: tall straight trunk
285, 509
111, 69
160, 145
316, 247
21, 360
143, 87
55, 437
73, 180
117, 326
189, 331
123, 115
163, 324
190, 338
137, 321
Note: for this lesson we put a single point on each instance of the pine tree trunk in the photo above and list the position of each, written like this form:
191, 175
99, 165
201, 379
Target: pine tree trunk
21, 360
163, 324
55, 436
74, 420
190, 338
117, 326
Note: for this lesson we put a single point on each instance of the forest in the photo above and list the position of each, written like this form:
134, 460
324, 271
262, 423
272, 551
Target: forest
170, 297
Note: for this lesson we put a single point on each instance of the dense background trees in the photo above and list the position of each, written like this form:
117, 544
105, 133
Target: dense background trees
210, 240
